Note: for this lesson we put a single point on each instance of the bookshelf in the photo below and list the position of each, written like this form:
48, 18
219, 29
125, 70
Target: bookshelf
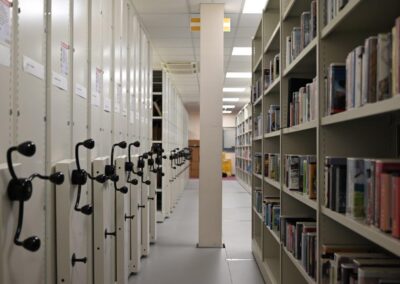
243, 147
368, 131
157, 138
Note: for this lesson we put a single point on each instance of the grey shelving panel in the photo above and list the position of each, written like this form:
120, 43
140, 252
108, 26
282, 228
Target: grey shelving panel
369, 131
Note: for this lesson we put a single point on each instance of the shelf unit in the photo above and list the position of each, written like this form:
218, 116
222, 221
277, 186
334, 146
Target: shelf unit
243, 147
370, 131
157, 138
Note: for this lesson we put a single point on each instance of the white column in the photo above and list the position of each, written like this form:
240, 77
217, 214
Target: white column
211, 83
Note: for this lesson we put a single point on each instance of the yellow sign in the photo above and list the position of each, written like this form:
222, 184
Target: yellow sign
195, 24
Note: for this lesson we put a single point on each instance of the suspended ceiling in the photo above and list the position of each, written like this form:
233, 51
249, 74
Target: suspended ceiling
167, 23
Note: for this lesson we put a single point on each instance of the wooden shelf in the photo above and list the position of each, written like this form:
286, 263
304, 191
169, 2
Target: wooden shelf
274, 87
369, 232
302, 198
305, 61
272, 134
301, 127
299, 267
381, 107
272, 182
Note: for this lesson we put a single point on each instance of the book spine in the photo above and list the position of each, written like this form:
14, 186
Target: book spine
372, 69
358, 75
396, 206
385, 203
384, 55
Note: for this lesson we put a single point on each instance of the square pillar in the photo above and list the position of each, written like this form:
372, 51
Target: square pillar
211, 84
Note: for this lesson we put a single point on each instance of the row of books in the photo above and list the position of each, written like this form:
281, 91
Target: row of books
272, 163
272, 212
332, 8
256, 90
273, 118
271, 73
258, 163
258, 126
243, 152
355, 263
299, 236
371, 73
303, 103
258, 200
365, 189
301, 174
301, 36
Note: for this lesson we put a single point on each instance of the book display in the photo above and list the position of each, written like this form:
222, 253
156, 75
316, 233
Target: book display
326, 143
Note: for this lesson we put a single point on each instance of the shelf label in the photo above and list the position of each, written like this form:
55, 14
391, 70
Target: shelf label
32, 67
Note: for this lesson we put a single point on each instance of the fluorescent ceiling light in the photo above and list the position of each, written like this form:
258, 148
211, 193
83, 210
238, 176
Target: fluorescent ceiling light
234, 90
227, 111
230, 99
254, 6
241, 51
228, 106
238, 75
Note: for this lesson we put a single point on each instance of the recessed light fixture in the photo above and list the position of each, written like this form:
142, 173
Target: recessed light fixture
254, 6
230, 99
228, 106
233, 90
238, 75
241, 51
226, 111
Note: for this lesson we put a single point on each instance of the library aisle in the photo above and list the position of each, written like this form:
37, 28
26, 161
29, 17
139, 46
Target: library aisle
175, 259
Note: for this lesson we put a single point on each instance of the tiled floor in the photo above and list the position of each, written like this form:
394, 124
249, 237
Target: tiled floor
174, 259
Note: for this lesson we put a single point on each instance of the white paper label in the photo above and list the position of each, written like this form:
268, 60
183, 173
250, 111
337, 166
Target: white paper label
5, 22
118, 97
99, 80
132, 117
60, 81
107, 104
64, 58
32, 67
96, 99
80, 91
5, 56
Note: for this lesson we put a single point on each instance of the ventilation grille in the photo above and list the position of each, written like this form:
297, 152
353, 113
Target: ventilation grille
181, 67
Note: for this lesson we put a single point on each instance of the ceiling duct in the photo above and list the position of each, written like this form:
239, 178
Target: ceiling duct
181, 68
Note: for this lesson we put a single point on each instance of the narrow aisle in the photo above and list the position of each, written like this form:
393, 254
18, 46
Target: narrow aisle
174, 259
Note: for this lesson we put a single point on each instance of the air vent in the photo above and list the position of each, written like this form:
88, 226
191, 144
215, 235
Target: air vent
181, 67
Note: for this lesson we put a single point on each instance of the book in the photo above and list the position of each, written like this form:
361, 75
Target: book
313, 20
350, 75
369, 168
288, 50
335, 175
369, 70
355, 198
384, 219
359, 51
382, 166
292, 172
384, 60
337, 88
296, 42
276, 67
305, 29
395, 187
